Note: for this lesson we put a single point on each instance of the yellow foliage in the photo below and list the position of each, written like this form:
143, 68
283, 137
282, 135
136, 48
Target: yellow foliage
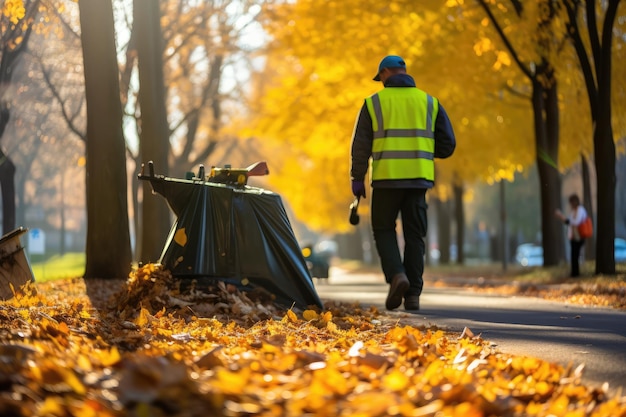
503, 58
322, 56
14, 10
319, 68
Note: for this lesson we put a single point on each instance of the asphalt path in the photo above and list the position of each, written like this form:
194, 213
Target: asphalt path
562, 333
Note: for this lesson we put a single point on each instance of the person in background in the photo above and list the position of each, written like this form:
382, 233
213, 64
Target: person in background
577, 215
402, 129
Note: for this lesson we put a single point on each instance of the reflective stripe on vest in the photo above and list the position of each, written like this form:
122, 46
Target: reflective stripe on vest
404, 145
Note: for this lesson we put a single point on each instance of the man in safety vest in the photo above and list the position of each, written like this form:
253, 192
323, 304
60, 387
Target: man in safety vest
402, 129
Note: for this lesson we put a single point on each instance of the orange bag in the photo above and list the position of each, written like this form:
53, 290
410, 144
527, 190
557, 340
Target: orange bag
585, 229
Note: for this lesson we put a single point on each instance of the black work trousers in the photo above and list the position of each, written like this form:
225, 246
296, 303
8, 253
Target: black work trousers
575, 246
387, 203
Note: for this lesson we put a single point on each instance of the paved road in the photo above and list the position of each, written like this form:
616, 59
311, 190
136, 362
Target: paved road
557, 332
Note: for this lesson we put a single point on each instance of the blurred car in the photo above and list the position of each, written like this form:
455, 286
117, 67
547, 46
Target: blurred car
317, 263
620, 250
529, 254
327, 248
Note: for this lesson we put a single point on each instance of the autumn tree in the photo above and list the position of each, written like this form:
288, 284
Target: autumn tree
459, 215
319, 68
153, 126
317, 73
58, 68
208, 49
540, 71
488, 106
46, 99
565, 23
47, 155
108, 242
199, 42
16, 25
595, 55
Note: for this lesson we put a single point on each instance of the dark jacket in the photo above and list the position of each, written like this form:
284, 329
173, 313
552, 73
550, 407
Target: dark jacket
445, 141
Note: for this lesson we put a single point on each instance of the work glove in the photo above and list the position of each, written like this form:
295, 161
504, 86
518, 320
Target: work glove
358, 188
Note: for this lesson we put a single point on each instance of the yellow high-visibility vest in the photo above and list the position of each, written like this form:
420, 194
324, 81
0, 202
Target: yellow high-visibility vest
403, 119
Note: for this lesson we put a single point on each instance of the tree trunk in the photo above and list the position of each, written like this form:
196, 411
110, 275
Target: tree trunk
546, 120
20, 204
604, 149
546, 141
590, 244
504, 230
135, 187
620, 193
108, 241
62, 233
443, 230
7, 183
154, 132
596, 68
553, 135
459, 215
7, 168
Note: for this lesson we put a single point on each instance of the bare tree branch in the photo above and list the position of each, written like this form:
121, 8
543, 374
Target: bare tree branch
69, 119
62, 19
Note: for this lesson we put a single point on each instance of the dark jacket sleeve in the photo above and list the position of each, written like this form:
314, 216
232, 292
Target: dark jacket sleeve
361, 145
445, 142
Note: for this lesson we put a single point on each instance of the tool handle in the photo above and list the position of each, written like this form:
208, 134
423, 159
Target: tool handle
354, 216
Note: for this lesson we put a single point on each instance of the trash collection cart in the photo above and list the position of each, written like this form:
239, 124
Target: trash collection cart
15, 270
227, 230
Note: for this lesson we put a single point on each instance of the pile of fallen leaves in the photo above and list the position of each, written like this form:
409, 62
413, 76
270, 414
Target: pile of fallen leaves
147, 347
598, 293
604, 294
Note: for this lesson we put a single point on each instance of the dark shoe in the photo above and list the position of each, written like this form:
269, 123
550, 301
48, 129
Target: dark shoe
412, 302
399, 285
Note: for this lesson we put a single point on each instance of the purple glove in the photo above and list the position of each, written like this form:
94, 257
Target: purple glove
358, 188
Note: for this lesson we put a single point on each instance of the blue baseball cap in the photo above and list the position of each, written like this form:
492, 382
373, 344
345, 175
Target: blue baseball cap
390, 61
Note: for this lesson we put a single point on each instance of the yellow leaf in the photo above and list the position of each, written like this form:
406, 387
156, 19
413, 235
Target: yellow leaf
180, 237
543, 388
111, 357
332, 327
310, 315
164, 332
292, 316
143, 318
327, 316
396, 380
52, 407
332, 380
84, 363
559, 405
71, 380
63, 328
231, 382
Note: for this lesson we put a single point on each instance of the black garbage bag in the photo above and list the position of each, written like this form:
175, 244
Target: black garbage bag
238, 234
